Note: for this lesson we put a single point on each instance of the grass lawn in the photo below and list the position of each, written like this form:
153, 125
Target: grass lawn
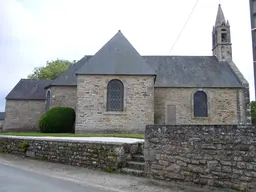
38, 134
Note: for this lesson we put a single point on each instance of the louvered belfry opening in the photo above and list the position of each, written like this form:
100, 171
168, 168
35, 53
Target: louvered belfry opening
115, 95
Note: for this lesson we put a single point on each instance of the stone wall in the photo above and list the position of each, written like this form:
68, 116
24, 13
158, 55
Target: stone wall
103, 155
91, 105
246, 92
63, 96
223, 156
225, 106
23, 115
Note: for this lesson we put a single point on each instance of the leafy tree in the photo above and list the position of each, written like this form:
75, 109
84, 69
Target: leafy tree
253, 112
52, 69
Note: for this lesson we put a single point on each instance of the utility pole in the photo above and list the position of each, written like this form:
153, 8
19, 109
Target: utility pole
253, 28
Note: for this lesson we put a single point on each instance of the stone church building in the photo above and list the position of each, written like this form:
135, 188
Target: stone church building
119, 90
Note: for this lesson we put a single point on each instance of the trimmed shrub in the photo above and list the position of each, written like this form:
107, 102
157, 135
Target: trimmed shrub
58, 120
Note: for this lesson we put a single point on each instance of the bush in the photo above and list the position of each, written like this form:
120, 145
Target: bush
58, 120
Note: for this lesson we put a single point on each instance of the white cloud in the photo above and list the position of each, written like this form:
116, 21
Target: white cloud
42, 30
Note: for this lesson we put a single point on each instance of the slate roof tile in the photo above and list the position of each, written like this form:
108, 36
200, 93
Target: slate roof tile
192, 71
29, 89
176, 71
117, 57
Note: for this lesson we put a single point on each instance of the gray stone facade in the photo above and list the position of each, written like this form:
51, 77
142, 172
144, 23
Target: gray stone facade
223, 156
23, 114
63, 96
225, 106
91, 104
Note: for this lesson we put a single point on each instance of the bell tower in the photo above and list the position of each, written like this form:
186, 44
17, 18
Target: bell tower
221, 38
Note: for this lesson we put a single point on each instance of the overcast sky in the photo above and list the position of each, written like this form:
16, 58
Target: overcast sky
34, 31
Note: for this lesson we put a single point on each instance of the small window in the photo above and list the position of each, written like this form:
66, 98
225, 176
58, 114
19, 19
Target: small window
200, 104
115, 95
48, 100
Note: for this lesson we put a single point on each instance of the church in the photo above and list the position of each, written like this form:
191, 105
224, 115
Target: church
119, 90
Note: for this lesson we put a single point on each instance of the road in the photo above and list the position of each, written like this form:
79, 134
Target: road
13, 179
19, 174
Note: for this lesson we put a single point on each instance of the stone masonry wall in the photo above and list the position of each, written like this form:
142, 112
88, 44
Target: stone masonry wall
220, 155
63, 96
223, 106
105, 156
23, 114
246, 92
91, 105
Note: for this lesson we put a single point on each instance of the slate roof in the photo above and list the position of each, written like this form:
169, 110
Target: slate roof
220, 19
2, 116
68, 77
29, 89
177, 71
116, 57
192, 71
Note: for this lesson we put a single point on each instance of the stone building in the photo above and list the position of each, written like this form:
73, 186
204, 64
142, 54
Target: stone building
118, 90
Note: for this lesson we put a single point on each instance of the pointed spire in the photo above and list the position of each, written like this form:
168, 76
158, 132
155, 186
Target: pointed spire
228, 23
220, 19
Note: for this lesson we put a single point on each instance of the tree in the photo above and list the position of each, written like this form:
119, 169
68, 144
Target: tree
52, 69
253, 112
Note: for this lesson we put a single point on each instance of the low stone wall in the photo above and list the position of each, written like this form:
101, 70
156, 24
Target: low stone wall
107, 156
222, 156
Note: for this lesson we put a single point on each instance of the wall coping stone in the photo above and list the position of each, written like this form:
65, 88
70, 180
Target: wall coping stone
101, 140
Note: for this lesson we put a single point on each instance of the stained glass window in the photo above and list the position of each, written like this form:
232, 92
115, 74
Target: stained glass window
115, 95
200, 104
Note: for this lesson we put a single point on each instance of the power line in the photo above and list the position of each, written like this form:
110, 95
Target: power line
184, 26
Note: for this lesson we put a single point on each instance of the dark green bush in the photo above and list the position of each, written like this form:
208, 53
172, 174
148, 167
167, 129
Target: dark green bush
58, 120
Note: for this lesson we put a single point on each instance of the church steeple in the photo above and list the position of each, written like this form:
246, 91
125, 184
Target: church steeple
221, 38
220, 19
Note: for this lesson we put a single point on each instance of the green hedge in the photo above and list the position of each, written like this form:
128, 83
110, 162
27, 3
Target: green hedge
58, 120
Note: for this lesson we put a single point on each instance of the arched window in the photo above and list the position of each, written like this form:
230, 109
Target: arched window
200, 104
48, 100
115, 95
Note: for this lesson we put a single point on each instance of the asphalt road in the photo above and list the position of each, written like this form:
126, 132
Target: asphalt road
13, 179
